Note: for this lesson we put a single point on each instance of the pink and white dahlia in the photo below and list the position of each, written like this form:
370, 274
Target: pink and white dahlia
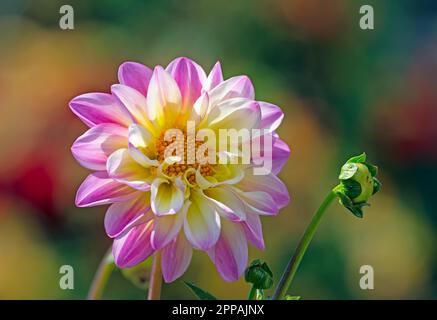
161, 202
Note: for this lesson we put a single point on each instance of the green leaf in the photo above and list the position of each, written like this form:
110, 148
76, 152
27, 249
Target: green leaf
352, 188
358, 159
348, 204
357, 211
376, 185
199, 293
288, 297
373, 169
347, 171
344, 199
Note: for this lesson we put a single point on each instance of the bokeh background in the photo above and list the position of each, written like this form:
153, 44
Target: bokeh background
343, 90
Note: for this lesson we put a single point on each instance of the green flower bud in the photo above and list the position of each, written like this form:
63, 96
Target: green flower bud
259, 274
357, 184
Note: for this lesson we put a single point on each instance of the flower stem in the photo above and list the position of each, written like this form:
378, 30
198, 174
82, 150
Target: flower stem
293, 264
252, 293
155, 278
101, 277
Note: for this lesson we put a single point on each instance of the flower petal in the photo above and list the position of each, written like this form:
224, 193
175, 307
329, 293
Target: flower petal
202, 224
227, 203
237, 113
134, 101
133, 246
176, 257
200, 108
269, 151
167, 197
230, 252
93, 148
141, 140
235, 87
122, 216
135, 75
167, 227
123, 168
271, 116
96, 108
267, 183
163, 97
215, 77
190, 78
253, 230
98, 189
258, 202
280, 154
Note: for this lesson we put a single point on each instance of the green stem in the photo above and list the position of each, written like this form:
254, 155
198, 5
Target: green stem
293, 264
101, 277
252, 293
155, 278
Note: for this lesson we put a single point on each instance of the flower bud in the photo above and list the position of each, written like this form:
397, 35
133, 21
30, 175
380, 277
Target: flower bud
357, 184
259, 274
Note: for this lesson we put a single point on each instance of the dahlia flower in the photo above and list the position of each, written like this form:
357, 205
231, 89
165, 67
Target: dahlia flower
160, 202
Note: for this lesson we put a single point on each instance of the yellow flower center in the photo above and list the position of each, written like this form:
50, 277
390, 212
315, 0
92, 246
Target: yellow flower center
179, 169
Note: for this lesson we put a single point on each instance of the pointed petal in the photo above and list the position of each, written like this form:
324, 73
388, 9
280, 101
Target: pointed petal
235, 87
269, 151
215, 77
96, 108
123, 168
133, 101
167, 227
238, 113
141, 140
93, 148
202, 224
266, 183
135, 75
98, 189
280, 154
227, 203
230, 252
271, 116
122, 216
176, 257
163, 98
200, 108
190, 78
258, 202
133, 246
167, 197
253, 230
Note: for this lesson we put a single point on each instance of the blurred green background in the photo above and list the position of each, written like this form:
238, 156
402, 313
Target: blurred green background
343, 91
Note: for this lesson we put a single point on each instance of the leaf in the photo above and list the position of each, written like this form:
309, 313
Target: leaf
348, 204
358, 159
352, 188
376, 185
199, 293
372, 169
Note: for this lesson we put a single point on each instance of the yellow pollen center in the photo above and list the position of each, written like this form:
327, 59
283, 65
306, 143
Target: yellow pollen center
178, 169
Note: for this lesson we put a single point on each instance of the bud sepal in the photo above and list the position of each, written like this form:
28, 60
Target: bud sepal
358, 183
